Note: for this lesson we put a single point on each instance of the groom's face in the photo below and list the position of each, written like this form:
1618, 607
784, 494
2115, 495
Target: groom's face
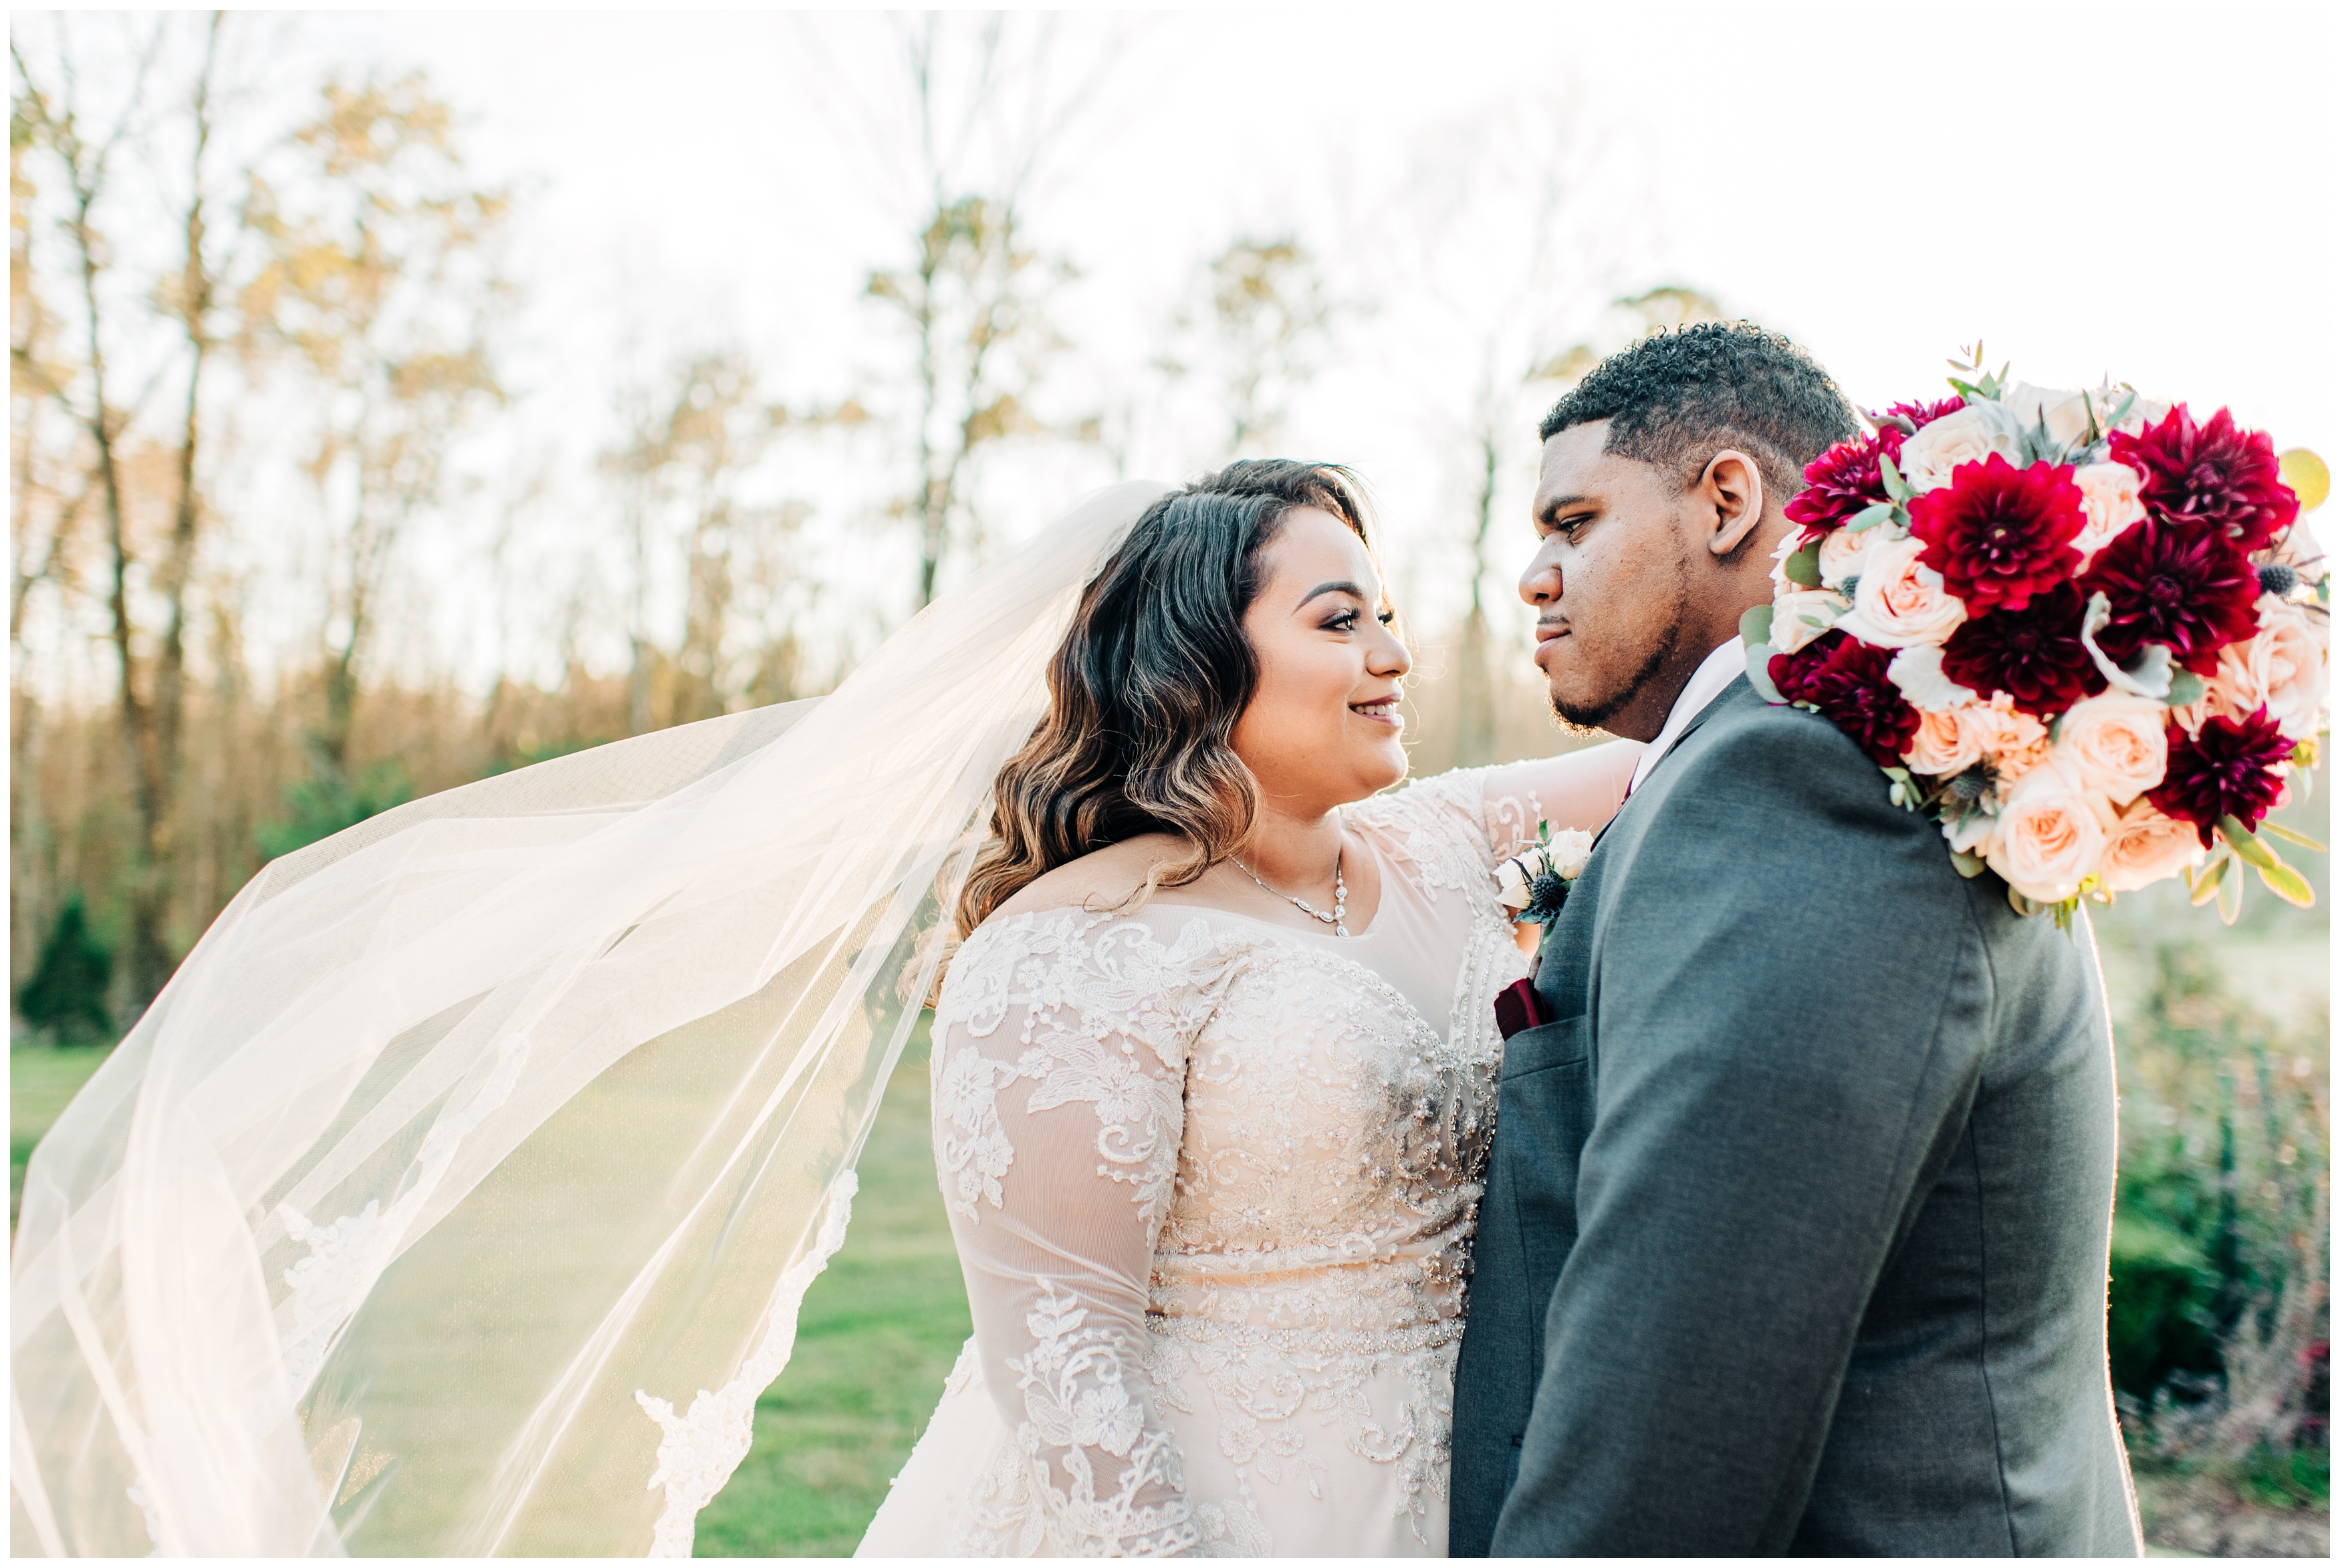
1610, 582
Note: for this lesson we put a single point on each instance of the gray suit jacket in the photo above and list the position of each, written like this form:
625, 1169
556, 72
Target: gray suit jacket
1797, 1223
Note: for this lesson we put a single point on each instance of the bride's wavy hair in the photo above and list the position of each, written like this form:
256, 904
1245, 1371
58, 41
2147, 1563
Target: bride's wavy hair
1145, 690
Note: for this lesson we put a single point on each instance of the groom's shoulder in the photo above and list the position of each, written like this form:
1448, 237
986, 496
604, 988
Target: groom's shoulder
1751, 753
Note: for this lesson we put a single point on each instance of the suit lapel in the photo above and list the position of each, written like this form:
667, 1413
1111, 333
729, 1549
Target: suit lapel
1728, 694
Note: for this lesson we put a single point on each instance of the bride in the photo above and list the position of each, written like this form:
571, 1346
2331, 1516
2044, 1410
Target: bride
467, 1144
1214, 1070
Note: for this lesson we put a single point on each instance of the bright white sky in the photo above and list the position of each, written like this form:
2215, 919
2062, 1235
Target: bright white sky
2144, 191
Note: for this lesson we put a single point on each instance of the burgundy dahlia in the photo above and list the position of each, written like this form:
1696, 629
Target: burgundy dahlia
2188, 588
1924, 414
2000, 534
2217, 473
2034, 655
1844, 678
2227, 770
1842, 482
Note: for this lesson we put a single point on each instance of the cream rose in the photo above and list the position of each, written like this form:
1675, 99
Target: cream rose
1898, 603
2108, 496
2067, 414
1918, 671
2144, 847
2012, 742
2284, 669
1942, 745
2049, 835
1570, 848
2143, 412
1799, 616
2116, 744
1842, 553
1968, 436
1511, 885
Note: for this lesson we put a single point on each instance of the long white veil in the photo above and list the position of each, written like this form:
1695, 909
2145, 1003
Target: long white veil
458, 1194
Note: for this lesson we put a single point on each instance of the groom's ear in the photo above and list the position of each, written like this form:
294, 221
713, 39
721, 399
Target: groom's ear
1729, 497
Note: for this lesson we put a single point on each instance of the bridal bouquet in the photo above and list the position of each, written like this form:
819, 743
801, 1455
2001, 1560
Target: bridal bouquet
2083, 631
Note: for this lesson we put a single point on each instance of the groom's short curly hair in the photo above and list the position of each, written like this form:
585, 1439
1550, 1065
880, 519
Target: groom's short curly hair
1675, 398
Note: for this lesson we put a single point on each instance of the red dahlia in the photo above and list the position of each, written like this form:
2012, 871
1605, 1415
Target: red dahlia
2188, 588
1924, 414
1844, 677
2216, 473
2000, 534
2034, 655
1842, 482
2227, 770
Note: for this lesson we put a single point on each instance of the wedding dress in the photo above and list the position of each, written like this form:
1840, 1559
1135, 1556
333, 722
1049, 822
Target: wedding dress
1213, 1182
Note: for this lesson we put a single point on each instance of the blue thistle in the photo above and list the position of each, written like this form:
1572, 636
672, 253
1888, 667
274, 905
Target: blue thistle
1546, 893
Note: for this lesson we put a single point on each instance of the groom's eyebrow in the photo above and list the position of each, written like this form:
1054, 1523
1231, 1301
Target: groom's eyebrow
1557, 505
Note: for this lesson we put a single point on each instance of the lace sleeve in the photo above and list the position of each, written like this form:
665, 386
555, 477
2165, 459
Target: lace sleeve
1578, 789
1059, 1063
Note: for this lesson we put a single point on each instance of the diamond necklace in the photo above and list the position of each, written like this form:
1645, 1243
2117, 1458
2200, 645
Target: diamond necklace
1338, 920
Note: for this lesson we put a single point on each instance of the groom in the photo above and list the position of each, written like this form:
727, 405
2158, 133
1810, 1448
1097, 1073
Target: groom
1796, 1228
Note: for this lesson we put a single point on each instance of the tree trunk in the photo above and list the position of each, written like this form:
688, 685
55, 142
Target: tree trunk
1474, 736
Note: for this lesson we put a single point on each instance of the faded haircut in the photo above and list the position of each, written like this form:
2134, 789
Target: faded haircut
1675, 398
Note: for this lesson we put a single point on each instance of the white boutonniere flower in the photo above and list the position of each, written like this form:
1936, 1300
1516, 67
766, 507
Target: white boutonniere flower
1533, 884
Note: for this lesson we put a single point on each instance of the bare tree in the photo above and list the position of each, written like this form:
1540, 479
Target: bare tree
687, 448
1267, 312
384, 283
990, 121
53, 120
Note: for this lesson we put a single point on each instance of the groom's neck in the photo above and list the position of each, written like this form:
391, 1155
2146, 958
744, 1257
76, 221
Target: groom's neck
1644, 713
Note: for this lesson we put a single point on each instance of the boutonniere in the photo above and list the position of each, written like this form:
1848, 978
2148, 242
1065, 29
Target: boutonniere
1533, 884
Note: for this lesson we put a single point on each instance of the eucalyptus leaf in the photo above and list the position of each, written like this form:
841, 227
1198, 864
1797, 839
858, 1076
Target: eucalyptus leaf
2230, 900
1759, 673
2288, 885
2205, 884
2247, 845
2184, 687
1803, 567
1867, 518
1895, 484
1755, 626
1965, 864
2301, 839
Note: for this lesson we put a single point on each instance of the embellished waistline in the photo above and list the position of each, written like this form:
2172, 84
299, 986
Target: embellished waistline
1403, 1340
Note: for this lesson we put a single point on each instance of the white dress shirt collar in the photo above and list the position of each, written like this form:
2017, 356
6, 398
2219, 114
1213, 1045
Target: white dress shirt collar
1724, 665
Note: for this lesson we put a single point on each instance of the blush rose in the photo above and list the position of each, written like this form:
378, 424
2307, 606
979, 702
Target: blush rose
1968, 436
2116, 744
1900, 602
2143, 847
2049, 835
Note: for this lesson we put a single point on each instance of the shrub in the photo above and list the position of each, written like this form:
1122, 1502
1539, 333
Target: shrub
2220, 1252
65, 998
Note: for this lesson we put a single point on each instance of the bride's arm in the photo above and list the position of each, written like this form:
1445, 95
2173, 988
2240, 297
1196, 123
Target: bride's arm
1056, 1131
1578, 789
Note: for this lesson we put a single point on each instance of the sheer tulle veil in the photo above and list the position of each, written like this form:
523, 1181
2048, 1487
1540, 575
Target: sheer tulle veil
459, 1193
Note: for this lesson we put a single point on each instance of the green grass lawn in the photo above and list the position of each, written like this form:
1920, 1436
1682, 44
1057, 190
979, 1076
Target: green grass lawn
41, 1079
879, 1330
881, 1327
